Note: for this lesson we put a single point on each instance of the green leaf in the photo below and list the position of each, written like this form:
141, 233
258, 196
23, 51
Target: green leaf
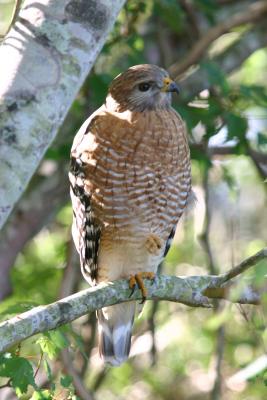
58, 338
19, 370
257, 94
259, 273
47, 346
42, 395
216, 75
66, 381
237, 126
52, 342
192, 115
171, 13
261, 139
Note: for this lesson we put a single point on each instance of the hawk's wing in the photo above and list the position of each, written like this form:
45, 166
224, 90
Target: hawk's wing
86, 229
191, 200
169, 241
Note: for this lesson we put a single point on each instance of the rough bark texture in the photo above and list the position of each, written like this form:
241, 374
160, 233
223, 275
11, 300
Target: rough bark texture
44, 60
194, 291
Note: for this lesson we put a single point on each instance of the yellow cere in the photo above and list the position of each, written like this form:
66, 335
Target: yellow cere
166, 81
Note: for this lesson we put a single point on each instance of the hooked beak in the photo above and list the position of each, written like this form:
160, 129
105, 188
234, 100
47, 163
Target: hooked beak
170, 86
173, 87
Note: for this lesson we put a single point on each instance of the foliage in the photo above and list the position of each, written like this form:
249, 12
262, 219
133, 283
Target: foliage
231, 115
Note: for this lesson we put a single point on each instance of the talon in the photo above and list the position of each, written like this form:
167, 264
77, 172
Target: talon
149, 275
132, 284
137, 279
132, 291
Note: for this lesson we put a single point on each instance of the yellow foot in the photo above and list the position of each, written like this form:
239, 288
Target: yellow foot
153, 243
137, 280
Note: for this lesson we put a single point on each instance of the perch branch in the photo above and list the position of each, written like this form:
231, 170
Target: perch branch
256, 11
194, 291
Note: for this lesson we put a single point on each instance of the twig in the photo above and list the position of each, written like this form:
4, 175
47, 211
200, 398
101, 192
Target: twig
5, 385
261, 167
259, 159
256, 11
72, 275
244, 265
151, 325
81, 390
68, 285
89, 344
216, 390
191, 17
204, 236
38, 365
191, 291
229, 60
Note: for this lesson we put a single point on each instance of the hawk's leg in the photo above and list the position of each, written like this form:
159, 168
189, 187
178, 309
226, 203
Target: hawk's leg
138, 280
153, 244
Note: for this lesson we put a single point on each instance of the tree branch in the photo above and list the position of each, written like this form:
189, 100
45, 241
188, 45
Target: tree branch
35, 209
82, 391
229, 61
194, 291
256, 11
259, 158
244, 265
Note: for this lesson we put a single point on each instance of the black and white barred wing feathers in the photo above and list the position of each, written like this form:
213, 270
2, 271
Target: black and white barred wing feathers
85, 228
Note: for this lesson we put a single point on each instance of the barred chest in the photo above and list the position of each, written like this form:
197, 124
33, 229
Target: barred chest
141, 176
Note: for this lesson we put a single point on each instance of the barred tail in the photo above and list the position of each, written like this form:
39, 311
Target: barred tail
115, 331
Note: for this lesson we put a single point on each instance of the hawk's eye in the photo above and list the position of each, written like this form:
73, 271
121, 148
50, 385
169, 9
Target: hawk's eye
144, 87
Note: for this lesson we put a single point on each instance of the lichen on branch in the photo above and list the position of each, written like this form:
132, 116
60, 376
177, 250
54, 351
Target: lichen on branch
194, 291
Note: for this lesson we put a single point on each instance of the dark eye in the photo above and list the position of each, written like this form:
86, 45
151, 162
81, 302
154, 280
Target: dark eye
144, 87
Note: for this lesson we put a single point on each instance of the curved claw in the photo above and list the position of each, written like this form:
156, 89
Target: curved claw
137, 280
132, 284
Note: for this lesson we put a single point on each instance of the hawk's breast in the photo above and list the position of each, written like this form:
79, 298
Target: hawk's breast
138, 171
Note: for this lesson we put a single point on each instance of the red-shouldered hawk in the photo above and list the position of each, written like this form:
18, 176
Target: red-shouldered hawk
130, 182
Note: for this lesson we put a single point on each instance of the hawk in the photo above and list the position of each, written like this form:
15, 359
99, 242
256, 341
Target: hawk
130, 180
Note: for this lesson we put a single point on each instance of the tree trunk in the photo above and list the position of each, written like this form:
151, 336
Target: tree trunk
44, 61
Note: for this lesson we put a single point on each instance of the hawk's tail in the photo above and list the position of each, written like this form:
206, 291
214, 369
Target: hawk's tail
115, 332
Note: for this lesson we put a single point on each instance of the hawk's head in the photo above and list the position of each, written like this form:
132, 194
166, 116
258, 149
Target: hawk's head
142, 87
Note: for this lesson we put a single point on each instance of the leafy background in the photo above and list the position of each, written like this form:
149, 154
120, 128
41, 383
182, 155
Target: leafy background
178, 352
